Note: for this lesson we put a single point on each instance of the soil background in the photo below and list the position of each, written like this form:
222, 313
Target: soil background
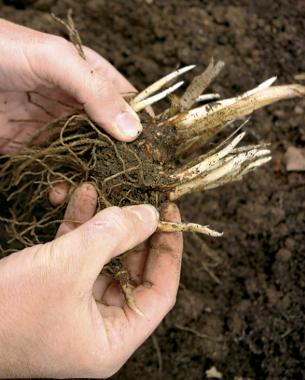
241, 305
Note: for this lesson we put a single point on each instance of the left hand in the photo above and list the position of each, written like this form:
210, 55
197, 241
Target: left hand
51, 67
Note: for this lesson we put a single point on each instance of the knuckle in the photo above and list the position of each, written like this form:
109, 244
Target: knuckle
57, 42
50, 45
51, 264
112, 221
170, 301
168, 298
87, 234
109, 374
48, 49
53, 46
118, 219
98, 84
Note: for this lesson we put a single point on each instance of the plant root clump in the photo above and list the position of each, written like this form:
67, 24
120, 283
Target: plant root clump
76, 151
170, 158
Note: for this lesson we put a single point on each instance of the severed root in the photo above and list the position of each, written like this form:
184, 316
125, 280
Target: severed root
187, 227
117, 270
128, 294
122, 275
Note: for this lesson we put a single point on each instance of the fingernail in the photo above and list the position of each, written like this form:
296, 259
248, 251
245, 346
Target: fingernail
128, 123
146, 213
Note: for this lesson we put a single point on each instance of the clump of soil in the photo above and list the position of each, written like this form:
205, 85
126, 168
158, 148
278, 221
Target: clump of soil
241, 304
76, 151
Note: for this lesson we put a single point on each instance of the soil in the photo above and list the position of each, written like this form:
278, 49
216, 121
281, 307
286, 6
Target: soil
241, 305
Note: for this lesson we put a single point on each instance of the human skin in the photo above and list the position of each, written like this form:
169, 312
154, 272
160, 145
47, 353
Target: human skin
59, 316
51, 67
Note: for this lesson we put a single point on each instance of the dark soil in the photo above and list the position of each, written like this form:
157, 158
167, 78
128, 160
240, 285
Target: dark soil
241, 305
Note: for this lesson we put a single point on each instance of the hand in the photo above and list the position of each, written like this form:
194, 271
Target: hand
50, 67
60, 317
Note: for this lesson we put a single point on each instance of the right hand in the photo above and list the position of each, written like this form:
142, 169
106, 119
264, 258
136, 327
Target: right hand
61, 318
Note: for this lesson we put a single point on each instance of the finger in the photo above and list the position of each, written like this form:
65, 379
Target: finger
108, 234
109, 291
94, 90
164, 261
161, 277
80, 209
113, 295
135, 260
101, 65
100, 286
58, 193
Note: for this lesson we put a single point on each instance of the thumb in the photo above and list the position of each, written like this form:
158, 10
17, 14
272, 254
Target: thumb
93, 89
84, 251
